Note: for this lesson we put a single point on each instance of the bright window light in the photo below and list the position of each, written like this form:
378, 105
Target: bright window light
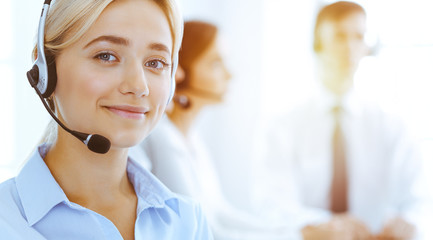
7, 127
6, 30
7, 119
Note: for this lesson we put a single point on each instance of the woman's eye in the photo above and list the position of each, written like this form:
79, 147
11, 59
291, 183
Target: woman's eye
156, 64
106, 57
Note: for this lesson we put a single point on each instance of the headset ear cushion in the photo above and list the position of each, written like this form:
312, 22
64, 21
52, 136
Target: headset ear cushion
52, 75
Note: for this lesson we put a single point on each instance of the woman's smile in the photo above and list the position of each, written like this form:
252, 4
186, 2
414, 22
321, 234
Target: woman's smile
128, 111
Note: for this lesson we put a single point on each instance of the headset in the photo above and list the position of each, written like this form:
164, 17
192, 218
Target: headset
185, 101
43, 78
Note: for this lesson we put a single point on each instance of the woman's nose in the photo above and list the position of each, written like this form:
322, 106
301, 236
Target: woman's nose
134, 80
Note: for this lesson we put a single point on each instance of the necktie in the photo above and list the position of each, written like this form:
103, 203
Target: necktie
339, 178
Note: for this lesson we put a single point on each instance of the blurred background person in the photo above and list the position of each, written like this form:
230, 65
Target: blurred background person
348, 169
179, 157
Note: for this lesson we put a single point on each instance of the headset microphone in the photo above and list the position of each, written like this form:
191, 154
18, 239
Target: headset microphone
96, 143
43, 78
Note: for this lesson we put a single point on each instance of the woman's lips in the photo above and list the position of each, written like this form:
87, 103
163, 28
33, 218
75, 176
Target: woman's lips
130, 112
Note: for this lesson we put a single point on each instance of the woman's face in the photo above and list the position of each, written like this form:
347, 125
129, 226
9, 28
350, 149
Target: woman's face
209, 74
115, 80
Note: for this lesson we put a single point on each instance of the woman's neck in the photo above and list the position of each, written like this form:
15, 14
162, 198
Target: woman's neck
183, 118
88, 178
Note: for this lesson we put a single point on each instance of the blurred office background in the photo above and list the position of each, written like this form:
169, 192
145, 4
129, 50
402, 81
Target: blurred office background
269, 52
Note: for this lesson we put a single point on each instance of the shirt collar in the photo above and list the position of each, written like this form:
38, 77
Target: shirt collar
350, 102
150, 191
38, 190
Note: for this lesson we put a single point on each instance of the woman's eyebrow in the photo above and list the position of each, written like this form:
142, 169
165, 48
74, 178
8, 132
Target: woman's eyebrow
126, 42
109, 38
159, 47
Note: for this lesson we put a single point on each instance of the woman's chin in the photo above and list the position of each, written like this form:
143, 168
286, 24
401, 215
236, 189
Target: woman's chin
126, 142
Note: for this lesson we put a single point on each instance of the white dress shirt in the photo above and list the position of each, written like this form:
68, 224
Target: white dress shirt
384, 168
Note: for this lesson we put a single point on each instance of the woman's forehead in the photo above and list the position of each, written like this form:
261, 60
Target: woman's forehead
137, 21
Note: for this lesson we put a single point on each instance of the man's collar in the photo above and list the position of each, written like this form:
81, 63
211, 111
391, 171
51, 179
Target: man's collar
350, 103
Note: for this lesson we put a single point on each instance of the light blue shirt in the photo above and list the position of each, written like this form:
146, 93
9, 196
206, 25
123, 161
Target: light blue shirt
34, 206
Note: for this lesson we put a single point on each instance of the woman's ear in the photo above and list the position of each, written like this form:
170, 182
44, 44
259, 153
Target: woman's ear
179, 75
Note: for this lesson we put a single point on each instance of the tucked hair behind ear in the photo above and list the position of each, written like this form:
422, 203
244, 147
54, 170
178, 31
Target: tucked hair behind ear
334, 12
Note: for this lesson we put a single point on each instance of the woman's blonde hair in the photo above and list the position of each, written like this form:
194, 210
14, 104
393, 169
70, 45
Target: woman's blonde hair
68, 21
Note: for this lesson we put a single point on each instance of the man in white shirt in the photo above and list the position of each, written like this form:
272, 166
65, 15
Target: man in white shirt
347, 169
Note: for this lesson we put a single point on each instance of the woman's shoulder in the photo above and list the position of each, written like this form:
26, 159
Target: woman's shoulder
177, 214
13, 223
8, 196
10, 203
192, 221
187, 205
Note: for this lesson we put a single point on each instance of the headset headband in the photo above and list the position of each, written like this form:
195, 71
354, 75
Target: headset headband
44, 74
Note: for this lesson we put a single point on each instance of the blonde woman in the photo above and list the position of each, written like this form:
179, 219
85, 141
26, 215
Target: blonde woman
113, 61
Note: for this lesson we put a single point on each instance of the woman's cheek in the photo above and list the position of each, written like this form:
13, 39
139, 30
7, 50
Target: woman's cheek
95, 85
159, 91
